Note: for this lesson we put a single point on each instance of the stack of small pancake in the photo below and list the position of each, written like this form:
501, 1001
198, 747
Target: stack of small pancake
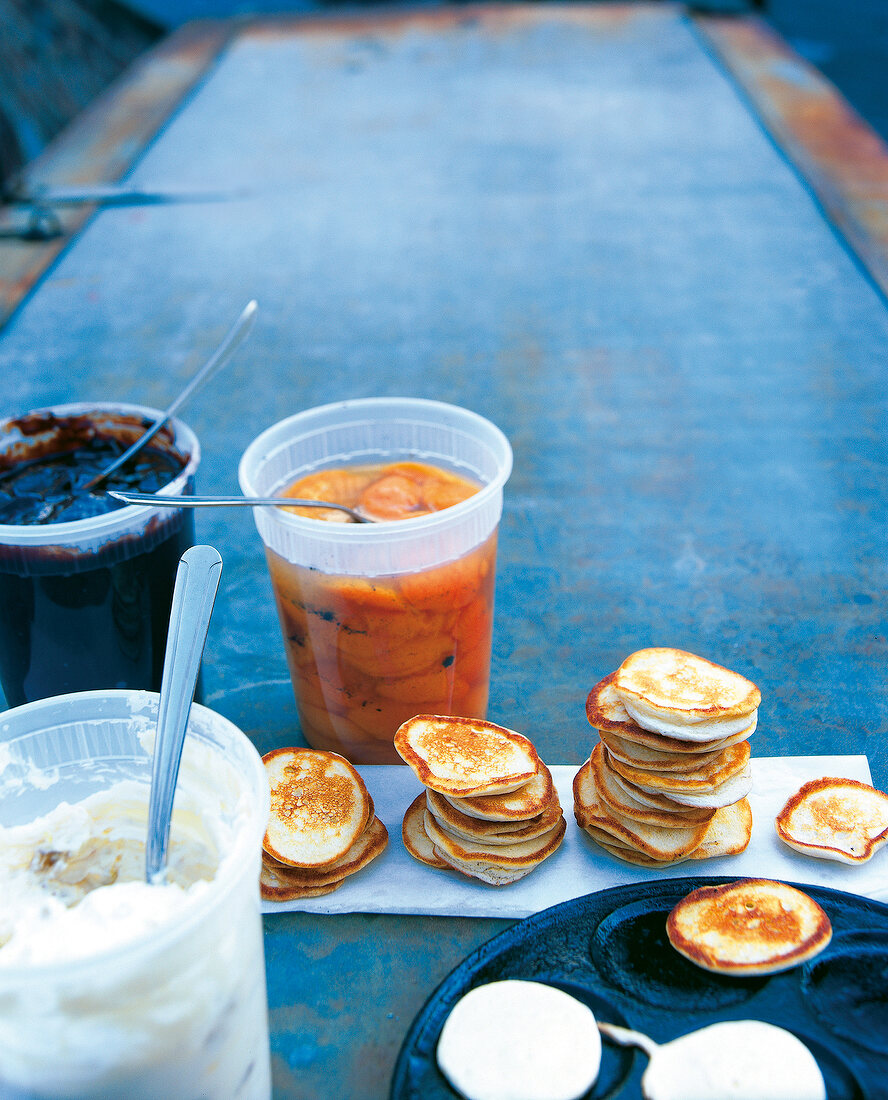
321, 828
669, 777
489, 809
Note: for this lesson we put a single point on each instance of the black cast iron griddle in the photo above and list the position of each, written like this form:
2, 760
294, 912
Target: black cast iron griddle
610, 950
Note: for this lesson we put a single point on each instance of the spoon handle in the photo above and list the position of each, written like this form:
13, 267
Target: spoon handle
197, 581
626, 1038
158, 500
233, 340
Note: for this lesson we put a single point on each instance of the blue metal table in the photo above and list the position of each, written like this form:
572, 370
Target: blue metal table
652, 247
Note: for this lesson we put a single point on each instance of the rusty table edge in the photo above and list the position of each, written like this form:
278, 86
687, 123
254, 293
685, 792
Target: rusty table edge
839, 157
104, 142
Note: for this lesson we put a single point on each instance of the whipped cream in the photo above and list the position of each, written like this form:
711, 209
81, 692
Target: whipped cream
73, 881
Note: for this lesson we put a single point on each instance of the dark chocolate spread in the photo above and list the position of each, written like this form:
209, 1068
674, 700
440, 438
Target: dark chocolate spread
48, 488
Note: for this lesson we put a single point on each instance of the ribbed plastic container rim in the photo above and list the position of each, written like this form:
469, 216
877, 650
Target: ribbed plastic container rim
110, 524
267, 466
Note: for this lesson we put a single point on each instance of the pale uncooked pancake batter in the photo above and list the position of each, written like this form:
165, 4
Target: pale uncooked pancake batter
516, 1040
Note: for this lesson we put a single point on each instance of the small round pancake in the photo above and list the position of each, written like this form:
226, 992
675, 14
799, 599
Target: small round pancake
628, 855
672, 744
728, 833
526, 802
729, 763
508, 855
495, 865
839, 819
657, 842
606, 712
489, 832
416, 839
595, 781
655, 801
752, 926
480, 825
490, 873
520, 1040
682, 695
736, 788
371, 843
615, 793
274, 885
658, 760
319, 807
465, 756
689, 790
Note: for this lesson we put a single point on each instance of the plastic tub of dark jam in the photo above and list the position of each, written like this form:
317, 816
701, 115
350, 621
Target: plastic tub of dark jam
86, 583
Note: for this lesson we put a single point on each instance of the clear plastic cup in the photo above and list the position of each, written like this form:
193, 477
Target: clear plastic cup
85, 604
179, 1010
382, 621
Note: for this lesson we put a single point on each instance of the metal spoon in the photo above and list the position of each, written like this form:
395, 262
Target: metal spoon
254, 502
233, 340
197, 580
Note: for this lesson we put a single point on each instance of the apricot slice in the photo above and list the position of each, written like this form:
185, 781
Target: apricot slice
427, 685
339, 485
445, 587
393, 497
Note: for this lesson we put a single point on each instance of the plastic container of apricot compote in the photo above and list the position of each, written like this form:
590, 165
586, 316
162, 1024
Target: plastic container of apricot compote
387, 619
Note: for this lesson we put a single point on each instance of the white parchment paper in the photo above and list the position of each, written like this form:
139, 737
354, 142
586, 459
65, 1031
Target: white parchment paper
397, 883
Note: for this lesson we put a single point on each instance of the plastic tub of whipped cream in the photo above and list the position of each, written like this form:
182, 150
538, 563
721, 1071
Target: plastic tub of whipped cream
108, 986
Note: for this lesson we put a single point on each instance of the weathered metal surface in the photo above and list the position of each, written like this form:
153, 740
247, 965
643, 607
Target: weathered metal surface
100, 146
567, 219
393, 23
841, 158
55, 57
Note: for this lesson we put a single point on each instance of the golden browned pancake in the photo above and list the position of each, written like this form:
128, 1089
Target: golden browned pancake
672, 744
371, 843
656, 841
729, 792
753, 926
729, 832
606, 712
648, 798
465, 756
496, 865
605, 709
629, 855
275, 886
731, 762
473, 828
840, 819
682, 695
319, 807
658, 760
526, 802
416, 839
596, 782
597, 778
